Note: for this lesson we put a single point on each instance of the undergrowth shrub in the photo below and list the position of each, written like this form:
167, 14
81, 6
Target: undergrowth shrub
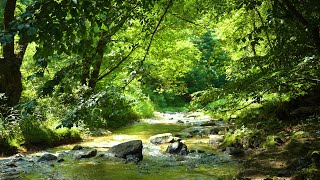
38, 121
35, 133
40, 133
143, 107
166, 100
9, 130
108, 108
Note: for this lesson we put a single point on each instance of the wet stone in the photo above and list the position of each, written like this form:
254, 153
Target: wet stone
161, 138
89, 153
180, 121
131, 150
11, 164
47, 157
177, 148
217, 130
208, 123
101, 155
10, 177
8, 173
60, 160
184, 135
77, 147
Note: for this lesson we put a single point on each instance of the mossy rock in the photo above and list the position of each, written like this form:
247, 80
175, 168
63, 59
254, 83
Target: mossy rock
298, 148
272, 141
245, 138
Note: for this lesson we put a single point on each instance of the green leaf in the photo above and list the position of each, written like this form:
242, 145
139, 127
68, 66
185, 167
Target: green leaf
21, 26
31, 31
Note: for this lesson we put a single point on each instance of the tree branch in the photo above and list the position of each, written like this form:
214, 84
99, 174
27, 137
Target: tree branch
309, 79
104, 40
296, 13
184, 19
154, 32
150, 42
263, 24
121, 61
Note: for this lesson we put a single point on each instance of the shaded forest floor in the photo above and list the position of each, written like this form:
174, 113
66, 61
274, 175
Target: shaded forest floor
294, 155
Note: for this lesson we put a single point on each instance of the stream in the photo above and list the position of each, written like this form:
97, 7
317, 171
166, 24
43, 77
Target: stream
203, 161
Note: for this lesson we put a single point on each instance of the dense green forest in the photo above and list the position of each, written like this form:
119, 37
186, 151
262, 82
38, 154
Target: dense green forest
71, 68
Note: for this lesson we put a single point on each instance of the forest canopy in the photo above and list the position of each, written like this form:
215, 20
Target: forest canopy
100, 63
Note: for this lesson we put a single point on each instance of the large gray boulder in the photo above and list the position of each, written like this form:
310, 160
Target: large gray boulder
47, 157
177, 148
131, 150
161, 138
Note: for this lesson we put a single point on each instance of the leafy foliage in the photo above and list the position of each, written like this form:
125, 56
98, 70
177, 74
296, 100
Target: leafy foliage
96, 64
108, 108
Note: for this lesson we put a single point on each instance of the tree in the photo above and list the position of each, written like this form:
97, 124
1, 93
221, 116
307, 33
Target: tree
83, 29
273, 47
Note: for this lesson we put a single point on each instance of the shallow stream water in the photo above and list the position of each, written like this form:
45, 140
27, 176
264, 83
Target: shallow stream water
205, 162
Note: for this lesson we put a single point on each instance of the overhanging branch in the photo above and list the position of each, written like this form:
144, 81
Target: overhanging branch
150, 42
122, 60
184, 19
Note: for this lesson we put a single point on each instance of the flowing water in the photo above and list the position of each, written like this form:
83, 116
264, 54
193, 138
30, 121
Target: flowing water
205, 162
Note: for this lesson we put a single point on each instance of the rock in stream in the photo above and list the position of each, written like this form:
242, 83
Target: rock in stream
177, 148
161, 138
131, 151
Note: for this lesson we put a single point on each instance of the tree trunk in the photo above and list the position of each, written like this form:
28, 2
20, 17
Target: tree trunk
98, 61
10, 81
85, 71
8, 49
316, 37
10, 63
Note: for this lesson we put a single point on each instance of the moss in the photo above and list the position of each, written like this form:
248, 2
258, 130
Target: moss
269, 142
244, 137
300, 135
311, 172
